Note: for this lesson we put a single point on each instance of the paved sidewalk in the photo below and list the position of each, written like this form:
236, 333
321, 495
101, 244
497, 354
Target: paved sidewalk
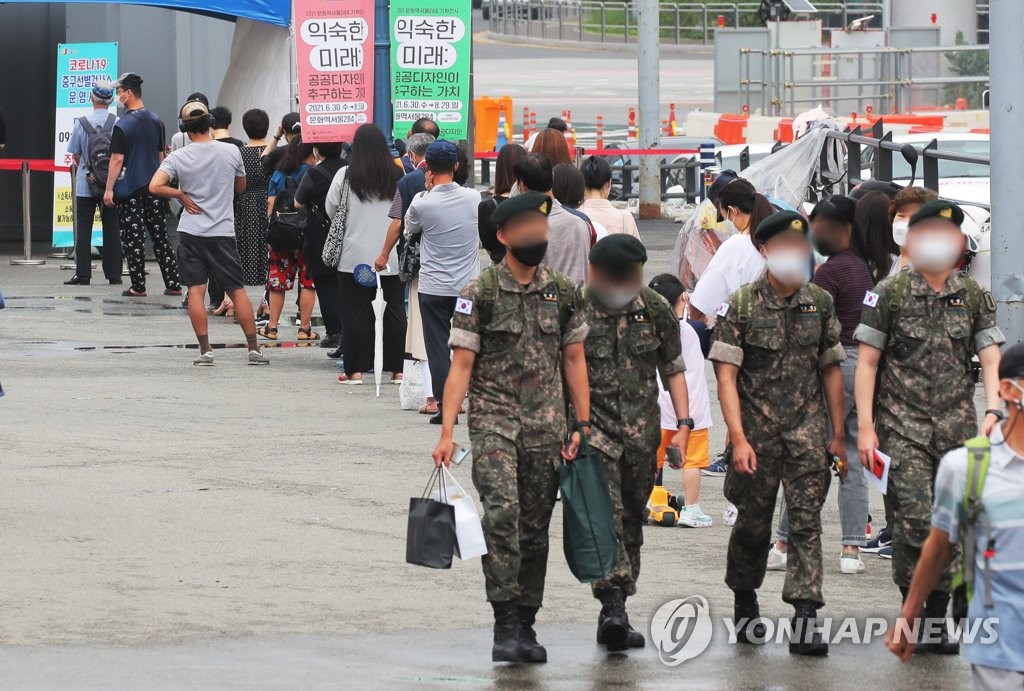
168, 526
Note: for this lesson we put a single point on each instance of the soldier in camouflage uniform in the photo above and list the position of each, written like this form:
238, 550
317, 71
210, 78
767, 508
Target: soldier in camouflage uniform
634, 336
777, 352
517, 330
920, 328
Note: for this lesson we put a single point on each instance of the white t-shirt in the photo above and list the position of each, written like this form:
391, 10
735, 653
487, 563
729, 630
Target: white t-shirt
206, 172
736, 263
696, 384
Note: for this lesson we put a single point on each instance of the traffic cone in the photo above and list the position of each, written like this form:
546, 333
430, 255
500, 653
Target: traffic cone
570, 131
600, 132
526, 124
502, 127
631, 130
673, 126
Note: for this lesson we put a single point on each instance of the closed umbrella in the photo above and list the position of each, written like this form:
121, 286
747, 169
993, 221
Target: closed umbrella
378, 334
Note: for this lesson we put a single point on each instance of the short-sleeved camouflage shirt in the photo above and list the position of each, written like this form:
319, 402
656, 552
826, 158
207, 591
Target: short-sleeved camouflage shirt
926, 387
517, 390
780, 348
626, 350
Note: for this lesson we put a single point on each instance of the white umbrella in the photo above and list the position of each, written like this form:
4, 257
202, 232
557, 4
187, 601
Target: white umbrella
378, 333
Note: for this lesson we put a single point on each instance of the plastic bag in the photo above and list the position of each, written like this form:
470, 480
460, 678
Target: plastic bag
699, 238
430, 536
787, 173
589, 536
469, 532
410, 391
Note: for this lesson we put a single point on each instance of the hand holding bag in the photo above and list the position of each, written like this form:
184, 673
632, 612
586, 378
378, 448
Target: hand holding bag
430, 538
589, 535
336, 234
469, 532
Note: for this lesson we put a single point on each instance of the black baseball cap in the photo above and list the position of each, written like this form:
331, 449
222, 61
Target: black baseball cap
719, 183
128, 80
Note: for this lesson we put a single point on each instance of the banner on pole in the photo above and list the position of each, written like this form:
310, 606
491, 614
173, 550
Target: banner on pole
430, 60
79, 67
334, 55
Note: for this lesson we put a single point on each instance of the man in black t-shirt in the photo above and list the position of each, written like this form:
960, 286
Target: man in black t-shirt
136, 151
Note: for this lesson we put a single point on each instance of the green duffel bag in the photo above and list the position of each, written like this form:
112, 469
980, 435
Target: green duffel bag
588, 522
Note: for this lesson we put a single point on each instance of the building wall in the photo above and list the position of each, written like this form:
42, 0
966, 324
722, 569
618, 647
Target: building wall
175, 52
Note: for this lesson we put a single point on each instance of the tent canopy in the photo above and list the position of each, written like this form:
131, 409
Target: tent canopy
277, 12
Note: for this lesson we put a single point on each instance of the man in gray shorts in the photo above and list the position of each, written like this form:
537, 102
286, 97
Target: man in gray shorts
208, 174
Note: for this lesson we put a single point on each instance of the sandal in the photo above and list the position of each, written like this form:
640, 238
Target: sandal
396, 377
267, 332
429, 408
307, 334
345, 379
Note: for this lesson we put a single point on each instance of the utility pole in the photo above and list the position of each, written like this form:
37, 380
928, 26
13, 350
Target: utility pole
382, 114
649, 87
1006, 52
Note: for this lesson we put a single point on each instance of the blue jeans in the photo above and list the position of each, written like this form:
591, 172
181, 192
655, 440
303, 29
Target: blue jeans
853, 492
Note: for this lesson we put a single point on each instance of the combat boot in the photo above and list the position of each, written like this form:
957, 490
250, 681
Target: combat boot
529, 648
804, 618
745, 615
935, 619
917, 625
634, 638
506, 633
612, 625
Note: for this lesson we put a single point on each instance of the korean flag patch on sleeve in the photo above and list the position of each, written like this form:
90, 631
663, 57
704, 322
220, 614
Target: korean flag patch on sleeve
464, 306
871, 299
723, 309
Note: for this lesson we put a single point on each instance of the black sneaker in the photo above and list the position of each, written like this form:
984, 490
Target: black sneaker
716, 469
883, 539
885, 552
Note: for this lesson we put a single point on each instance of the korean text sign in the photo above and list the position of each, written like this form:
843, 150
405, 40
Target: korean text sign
334, 54
430, 59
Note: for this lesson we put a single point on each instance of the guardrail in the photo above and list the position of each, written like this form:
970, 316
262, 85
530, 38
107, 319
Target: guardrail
616, 22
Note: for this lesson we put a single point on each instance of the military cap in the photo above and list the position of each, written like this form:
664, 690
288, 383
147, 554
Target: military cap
521, 203
939, 208
780, 222
617, 252
1011, 365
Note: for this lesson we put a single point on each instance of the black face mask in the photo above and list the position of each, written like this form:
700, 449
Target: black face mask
530, 255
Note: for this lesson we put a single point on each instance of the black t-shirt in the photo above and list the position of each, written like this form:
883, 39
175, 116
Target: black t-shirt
231, 140
271, 160
138, 136
312, 193
488, 231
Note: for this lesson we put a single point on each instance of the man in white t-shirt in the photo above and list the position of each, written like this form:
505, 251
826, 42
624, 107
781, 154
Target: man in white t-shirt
208, 174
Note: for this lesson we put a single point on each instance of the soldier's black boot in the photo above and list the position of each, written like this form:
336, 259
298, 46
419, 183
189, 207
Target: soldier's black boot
922, 648
634, 638
935, 625
745, 615
804, 641
506, 633
612, 625
529, 648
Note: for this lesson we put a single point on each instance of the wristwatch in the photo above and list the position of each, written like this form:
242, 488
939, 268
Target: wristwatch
1000, 415
584, 423
685, 422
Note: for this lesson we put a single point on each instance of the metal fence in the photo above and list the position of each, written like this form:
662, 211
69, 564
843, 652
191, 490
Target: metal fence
773, 81
616, 22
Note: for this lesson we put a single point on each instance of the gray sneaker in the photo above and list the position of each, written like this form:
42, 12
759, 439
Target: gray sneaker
204, 360
258, 358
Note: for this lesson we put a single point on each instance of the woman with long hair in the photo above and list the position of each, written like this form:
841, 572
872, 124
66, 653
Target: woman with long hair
552, 144
288, 265
737, 261
874, 232
371, 178
504, 178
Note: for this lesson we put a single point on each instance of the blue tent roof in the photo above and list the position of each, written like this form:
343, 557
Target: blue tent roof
277, 12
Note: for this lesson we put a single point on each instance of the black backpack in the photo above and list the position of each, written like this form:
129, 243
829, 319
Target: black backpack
287, 223
97, 153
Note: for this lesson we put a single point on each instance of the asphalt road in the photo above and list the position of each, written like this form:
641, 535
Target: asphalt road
167, 526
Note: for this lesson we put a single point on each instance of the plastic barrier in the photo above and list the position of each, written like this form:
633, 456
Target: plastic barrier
730, 128
486, 114
784, 132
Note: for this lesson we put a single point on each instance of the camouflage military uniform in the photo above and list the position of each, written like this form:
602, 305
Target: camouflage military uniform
517, 417
780, 345
925, 396
625, 351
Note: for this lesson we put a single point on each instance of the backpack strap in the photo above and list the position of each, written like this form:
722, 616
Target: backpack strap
108, 126
744, 306
566, 298
900, 291
979, 453
488, 284
87, 126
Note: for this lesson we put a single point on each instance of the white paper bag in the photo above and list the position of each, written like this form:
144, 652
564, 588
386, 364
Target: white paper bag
468, 530
410, 392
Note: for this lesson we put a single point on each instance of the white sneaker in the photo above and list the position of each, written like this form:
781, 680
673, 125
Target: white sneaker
851, 563
693, 517
257, 357
204, 360
729, 515
777, 560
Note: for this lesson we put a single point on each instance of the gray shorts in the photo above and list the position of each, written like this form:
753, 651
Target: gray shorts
202, 258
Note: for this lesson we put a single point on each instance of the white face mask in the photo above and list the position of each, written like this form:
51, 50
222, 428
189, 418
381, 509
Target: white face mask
1019, 403
935, 253
899, 232
790, 267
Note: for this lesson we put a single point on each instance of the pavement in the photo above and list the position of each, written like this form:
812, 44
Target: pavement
168, 526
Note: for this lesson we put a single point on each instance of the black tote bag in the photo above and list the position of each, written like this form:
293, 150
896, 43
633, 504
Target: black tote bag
430, 539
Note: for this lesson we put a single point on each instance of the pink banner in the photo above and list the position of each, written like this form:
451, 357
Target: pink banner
334, 55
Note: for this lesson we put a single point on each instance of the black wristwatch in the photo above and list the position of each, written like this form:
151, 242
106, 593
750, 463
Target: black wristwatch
685, 422
584, 423
1000, 415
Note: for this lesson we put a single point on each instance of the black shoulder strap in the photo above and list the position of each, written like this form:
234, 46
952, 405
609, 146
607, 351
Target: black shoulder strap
108, 126
87, 126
